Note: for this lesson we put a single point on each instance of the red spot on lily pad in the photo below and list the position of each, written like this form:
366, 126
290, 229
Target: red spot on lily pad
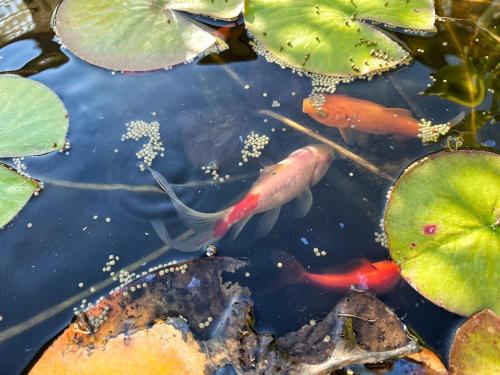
430, 229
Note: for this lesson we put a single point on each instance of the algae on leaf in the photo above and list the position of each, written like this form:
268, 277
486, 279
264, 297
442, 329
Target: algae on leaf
33, 120
336, 38
441, 223
138, 35
15, 191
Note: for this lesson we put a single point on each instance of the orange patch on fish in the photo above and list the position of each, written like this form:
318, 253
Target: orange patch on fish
239, 211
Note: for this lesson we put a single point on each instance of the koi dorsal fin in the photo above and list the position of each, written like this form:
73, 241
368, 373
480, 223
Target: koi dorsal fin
354, 265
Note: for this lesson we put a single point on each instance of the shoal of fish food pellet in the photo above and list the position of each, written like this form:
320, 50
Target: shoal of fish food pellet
253, 145
380, 237
430, 133
213, 169
137, 130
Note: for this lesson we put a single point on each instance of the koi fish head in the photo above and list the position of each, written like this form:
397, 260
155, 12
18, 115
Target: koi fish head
323, 156
331, 113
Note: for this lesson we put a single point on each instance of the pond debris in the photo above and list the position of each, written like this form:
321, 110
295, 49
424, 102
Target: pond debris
253, 145
137, 130
199, 319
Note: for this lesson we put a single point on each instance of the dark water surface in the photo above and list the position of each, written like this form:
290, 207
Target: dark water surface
203, 110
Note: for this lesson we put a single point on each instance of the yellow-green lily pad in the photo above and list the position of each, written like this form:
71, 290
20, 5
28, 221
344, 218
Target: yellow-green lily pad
138, 35
336, 37
15, 191
442, 226
476, 346
33, 120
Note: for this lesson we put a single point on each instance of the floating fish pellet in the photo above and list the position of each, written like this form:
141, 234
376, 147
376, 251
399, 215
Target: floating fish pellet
21, 167
319, 252
253, 145
137, 130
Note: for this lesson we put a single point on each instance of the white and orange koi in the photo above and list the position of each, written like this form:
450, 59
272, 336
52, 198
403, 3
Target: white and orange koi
277, 185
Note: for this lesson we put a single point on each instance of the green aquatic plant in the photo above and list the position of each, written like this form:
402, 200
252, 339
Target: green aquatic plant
476, 348
442, 226
139, 35
336, 38
33, 121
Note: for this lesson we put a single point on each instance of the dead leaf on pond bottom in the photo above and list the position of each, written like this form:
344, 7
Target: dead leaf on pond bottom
206, 323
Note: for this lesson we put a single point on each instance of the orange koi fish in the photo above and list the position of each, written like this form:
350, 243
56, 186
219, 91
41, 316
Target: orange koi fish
379, 277
278, 184
350, 114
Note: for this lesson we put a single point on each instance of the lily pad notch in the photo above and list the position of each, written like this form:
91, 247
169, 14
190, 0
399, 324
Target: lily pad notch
33, 121
139, 35
442, 225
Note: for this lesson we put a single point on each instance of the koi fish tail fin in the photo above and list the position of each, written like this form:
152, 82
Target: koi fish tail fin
201, 223
191, 243
289, 269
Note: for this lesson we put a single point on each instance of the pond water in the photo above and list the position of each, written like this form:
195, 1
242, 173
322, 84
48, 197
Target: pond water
205, 108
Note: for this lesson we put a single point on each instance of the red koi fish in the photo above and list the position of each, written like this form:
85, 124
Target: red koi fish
350, 114
379, 277
278, 184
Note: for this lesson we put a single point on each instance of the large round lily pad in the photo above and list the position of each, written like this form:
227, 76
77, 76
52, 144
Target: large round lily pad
15, 191
138, 35
442, 226
476, 346
33, 120
333, 37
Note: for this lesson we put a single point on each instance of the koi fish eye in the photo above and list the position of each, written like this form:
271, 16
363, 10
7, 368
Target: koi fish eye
321, 114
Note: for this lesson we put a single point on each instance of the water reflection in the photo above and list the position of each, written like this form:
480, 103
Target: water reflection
30, 19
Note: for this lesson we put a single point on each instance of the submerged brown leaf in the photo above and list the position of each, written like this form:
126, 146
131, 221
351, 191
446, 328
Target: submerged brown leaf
189, 320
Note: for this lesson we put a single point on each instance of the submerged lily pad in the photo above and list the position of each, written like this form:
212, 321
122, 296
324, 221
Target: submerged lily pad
138, 35
15, 191
338, 37
476, 347
442, 225
33, 120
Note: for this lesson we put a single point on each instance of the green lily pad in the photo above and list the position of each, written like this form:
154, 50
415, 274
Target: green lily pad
442, 226
336, 37
476, 347
138, 35
15, 191
33, 120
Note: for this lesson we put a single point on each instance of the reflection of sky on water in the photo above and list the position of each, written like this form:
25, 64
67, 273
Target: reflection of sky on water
202, 112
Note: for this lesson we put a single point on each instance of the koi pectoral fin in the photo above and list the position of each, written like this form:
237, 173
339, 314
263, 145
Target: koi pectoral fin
303, 204
238, 227
267, 222
348, 135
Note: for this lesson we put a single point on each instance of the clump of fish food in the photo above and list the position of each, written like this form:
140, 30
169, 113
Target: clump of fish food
137, 130
213, 168
253, 145
430, 133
